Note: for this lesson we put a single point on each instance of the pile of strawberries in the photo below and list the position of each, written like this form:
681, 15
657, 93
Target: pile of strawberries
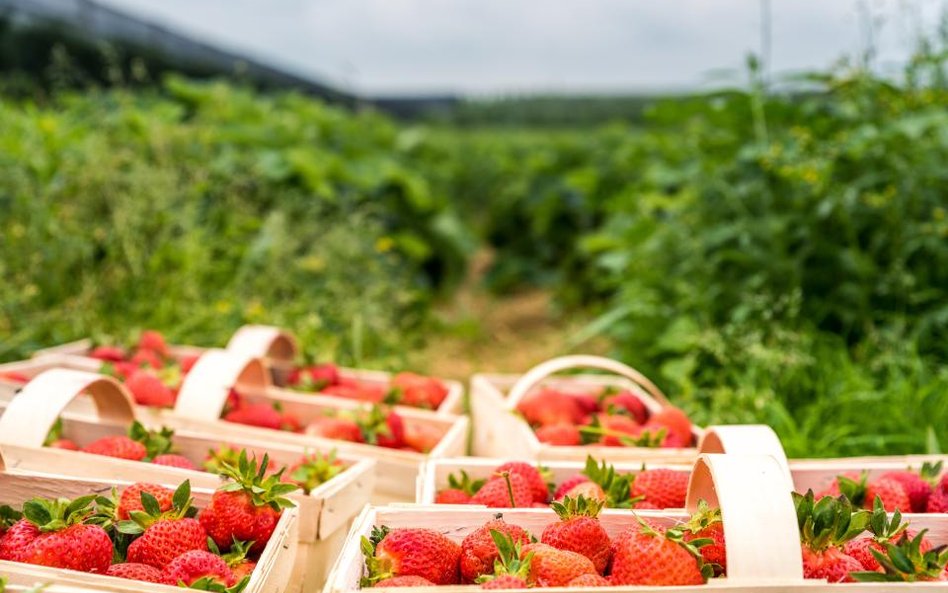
518, 484
406, 389
843, 543
611, 417
376, 425
908, 490
151, 533
157, 446
575, 551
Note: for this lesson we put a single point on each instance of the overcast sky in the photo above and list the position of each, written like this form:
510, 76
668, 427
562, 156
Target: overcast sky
499, 46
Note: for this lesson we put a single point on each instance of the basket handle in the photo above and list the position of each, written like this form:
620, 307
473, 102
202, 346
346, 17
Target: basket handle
756, 507
30, 415
204, 391
534, 376
264, 341
746, 439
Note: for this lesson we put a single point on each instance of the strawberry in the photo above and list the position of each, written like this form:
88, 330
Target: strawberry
452, 496
17, 539
706, 524
479, 551
64, 444
585, 581
314, 378
505, 581
14, 377
677, 424
568, 484
613, 401
148, 389
549, 406
151, 340
910, 559
508, 491
511, 566
604, 484
410, 552
406, 581
64, 541
938, 501
665, 488
419, 391
532, 474
108, 353
552, 567
381, 427
422, 437
890, 492
143, 359
216, 458
364, 392
461, 489
248, 507
314, 469
172, 460
338, 428
579, 530
917, 485
618, 429
825, 526
650, 555
163, 536
882, 530
290, 422
853, 483
560, 435
195, 565
237, 560
187, 362
118, 446
131, 499
137, 572
261, 414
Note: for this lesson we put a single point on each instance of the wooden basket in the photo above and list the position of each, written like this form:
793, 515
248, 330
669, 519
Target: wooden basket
803, 474
203, 395
763, 549
276, 347
499, 429
324, 513
434, 474
270, 575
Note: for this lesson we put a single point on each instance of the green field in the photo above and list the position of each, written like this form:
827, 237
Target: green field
764, 257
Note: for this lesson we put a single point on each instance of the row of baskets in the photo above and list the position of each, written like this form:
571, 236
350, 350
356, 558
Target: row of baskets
317, 543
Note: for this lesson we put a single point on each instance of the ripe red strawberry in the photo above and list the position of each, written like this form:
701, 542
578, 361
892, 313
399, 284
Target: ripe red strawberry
579, 530
172, 460
589, 490
618, 431
649, 555
419, 391
917, 485
479, 551
393, 435
64, 444
706, 524
460, 489
131, 499
551, 567
290, 422
512, 491
153, 341
17, 539
531, 473
832, 564
248, 508
677, 423
422, 437
853, 484
665, 488
163, 535
644, 504
148, 389
568, 484
561, 435
261, 414
146, 359
548, 406
196, 565
938, 501
604, 484
108, 353
187, 362
909, 559
623, 402
119, 446
505, 581
882, 531
410, 552
338, 428
891, 493
452, 496
64, 540
137, 572
825, 526
406, 581
312, 470
586, 581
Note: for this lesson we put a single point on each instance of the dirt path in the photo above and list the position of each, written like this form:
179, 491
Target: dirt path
484, 332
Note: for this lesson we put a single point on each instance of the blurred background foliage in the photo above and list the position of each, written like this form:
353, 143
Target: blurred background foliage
766, 257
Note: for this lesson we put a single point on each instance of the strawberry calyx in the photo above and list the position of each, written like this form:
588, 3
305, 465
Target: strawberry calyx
705, 516
393, 396
263, 490
8, 516
464, 483
581, 506
237, 554
828, 521
508, 560
182, 505
883, 528
616, 486
930, 472
50, 514
373, 424
156, 442
377, 569
648, 437
55, 433
316, 469
212, 584
904, 561
854, 490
